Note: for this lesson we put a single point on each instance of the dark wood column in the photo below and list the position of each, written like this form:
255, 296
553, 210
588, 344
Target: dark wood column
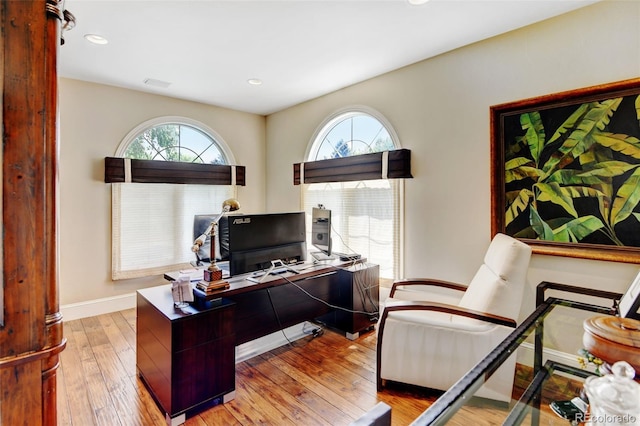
31, 335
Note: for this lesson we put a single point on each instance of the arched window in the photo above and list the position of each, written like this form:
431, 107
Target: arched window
175, 142
153, 223
366, 215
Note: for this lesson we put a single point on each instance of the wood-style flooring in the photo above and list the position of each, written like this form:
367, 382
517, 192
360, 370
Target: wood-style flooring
327, 380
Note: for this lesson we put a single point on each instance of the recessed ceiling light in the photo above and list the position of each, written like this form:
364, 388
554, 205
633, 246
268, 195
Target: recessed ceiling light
254, 81
96, 39
417, 2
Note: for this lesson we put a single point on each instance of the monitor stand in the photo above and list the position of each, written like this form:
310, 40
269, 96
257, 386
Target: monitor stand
320, 256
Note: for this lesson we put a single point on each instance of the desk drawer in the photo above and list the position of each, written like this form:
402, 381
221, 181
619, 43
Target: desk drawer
202, 328
255, 315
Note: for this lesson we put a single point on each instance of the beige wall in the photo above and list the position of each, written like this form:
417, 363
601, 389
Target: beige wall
93, 121
440, 110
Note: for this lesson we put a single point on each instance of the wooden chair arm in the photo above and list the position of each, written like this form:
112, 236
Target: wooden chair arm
403, 305
426, 281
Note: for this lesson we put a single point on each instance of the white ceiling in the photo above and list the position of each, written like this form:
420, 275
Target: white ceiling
300, 49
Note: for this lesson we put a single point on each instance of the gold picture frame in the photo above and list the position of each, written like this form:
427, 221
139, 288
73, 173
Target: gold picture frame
565, 172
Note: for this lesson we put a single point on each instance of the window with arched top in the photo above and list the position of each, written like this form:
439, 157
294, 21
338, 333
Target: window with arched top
350, 133
152, 223
366, 215
175, 142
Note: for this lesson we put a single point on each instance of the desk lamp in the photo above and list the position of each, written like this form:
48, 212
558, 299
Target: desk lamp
214, 273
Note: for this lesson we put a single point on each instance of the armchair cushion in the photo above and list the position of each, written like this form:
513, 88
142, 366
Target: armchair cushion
508, 258
428, 294
498, 285
491, 294
436, 356
434, 348
439, 319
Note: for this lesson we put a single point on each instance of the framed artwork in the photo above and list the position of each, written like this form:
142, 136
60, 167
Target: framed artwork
565, 172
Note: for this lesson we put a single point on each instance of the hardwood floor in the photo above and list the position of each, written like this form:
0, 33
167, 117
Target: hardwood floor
327, 380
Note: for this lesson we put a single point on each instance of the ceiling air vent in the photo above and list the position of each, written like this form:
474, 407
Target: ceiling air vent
156, 83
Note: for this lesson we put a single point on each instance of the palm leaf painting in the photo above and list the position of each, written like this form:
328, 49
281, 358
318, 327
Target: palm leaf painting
571, 172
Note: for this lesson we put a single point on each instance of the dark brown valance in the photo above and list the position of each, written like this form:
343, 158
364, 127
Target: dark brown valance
154, 171
394, 164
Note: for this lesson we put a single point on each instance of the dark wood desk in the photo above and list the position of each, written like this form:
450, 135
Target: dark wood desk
186, 357
342, 295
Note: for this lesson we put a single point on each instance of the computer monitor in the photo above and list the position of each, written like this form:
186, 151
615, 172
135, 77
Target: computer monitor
255, 240
321, 229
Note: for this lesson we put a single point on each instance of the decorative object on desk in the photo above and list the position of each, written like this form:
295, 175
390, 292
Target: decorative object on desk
614, 399
613, 339
212, 286
181, 291
587, 358
214, 273
563, 172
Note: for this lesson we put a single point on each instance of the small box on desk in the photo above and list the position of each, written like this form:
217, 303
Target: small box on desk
203, 300
205, 293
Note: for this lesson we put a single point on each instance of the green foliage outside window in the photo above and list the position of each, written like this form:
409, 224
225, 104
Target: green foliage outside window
175, 142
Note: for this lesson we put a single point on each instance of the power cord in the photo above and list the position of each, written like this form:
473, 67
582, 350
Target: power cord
316, 331
325, 302
319, 331
275, 311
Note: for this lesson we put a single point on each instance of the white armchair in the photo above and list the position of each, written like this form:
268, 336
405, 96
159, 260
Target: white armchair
432, 332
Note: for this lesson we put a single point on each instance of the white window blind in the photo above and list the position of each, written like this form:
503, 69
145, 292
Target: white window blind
366, 218
154, 233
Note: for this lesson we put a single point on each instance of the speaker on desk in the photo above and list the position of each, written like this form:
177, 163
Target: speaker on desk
321, 229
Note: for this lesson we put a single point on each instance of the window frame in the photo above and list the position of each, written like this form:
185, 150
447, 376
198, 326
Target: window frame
142, 127
186, 224
314, 145
342, 114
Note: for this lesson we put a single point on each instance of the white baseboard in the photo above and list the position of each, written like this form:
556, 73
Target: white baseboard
74, 311
269, 342
95, 307
526, 350
264, 344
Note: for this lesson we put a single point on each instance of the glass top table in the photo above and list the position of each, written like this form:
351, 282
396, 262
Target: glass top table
550, 367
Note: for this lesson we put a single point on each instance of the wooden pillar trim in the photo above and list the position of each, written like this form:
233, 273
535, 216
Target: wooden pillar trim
31, 332
24, 358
